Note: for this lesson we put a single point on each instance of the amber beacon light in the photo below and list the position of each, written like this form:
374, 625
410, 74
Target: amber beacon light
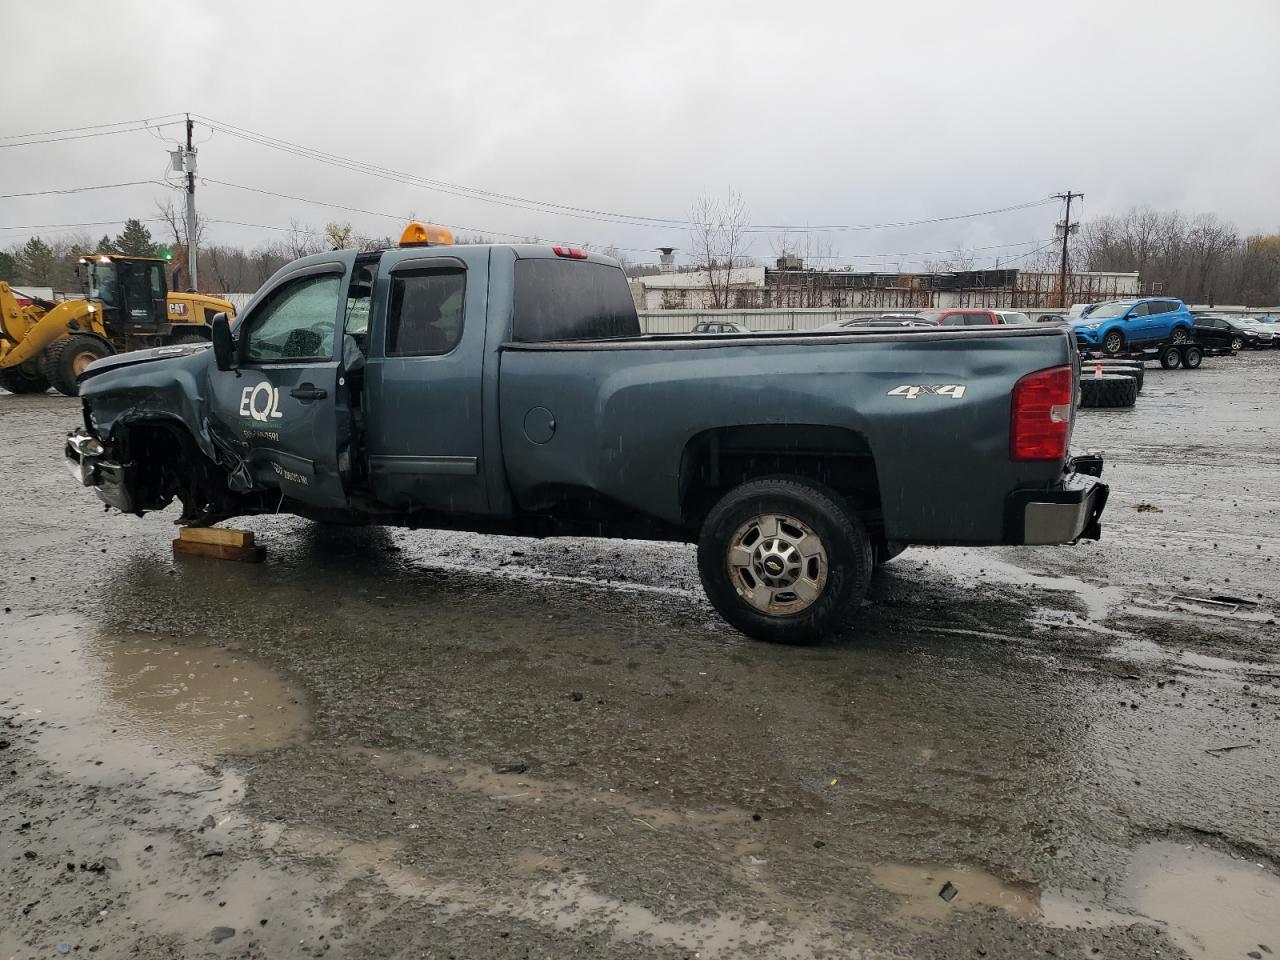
425, 235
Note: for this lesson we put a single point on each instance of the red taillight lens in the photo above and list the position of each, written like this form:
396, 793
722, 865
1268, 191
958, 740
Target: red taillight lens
575, 253
1040, 427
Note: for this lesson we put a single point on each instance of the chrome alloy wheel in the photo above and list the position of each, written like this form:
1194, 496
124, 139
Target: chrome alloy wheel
777, 564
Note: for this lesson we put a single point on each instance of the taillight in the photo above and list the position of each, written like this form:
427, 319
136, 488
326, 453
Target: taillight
574, 253
1040, 427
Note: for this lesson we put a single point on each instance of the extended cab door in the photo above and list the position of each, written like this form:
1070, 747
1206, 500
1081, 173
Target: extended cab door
424, 431
285, 411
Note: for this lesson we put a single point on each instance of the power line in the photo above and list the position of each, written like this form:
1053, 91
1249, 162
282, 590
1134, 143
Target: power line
84, 133
544, 206
458, 190
768, 228
93, 223
399, 217
91, 126
70, 190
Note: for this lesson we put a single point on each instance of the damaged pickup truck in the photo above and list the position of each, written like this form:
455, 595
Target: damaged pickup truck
508, 389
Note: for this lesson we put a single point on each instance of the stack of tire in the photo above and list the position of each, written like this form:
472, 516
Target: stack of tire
1110, 383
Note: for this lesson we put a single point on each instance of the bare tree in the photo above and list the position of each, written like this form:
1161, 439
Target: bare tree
338, 236
718, 231
302, 240
175, 220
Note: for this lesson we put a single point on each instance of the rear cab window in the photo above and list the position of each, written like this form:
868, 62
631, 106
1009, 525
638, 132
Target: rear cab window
425, 311
564, 299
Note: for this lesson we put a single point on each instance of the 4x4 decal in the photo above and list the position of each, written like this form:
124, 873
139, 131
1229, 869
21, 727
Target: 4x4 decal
912, 390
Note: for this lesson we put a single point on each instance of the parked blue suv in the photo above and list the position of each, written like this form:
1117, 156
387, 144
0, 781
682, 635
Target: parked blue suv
1117, 325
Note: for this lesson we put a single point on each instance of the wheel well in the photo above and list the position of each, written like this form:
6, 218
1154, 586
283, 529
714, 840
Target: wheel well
716, 461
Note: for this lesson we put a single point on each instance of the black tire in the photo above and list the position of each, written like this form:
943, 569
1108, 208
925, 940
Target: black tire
1180, 335
1192, 357
1113, 343
1109, 390
67, 359
1170, 358
23, 379
1237, 343
842, 582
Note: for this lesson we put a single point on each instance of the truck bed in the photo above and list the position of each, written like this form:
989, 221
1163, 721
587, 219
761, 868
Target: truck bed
664, 392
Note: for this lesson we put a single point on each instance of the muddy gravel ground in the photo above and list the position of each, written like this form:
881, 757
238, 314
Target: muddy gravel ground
392, 744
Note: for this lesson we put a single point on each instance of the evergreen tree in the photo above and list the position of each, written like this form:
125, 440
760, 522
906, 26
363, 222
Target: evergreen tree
8, 267
37, 263
105, 245
135, 240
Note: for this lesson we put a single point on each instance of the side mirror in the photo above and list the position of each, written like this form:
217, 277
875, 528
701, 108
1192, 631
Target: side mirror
224, 348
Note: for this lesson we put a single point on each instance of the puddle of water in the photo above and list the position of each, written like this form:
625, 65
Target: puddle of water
967, 564
918, 886
148, 717
524, 789
104, 702
1213, 905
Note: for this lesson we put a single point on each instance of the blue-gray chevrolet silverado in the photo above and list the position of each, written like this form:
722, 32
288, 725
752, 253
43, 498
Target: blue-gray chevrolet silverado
508, 389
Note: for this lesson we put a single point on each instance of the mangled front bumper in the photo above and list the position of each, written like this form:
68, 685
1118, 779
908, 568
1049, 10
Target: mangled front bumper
88, 463
1069, 511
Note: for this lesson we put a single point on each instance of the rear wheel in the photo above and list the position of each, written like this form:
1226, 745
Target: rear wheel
784, 559
1113, 343
1192, 357
1170, 358
23, 379
70, 357
1180, 335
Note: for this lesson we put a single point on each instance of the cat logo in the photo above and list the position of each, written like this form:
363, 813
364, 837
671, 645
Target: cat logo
177, 309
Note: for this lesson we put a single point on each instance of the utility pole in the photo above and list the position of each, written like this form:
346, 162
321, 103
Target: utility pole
189, 164
1065, 229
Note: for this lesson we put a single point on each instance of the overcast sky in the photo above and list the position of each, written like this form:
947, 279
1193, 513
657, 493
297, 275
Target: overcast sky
817, 113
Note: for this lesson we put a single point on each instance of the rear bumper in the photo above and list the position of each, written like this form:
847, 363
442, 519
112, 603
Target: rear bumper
85, 457
1066, 513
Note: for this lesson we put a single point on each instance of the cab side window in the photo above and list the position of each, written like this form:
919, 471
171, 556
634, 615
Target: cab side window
1139, 310
297, 321
425, 311
953, 320
977, 319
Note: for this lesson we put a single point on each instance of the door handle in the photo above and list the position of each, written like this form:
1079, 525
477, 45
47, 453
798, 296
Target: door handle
308, 391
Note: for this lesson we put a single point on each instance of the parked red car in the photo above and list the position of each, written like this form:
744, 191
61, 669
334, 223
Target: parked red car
972, 317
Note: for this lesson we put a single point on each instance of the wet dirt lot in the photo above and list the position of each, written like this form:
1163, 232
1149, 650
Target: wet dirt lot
392, 744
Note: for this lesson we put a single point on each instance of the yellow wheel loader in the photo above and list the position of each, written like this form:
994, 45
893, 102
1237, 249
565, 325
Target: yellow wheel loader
127, 306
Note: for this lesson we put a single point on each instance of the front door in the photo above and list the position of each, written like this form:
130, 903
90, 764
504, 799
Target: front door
1137, 324
285, 411
141, 291
424, 384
